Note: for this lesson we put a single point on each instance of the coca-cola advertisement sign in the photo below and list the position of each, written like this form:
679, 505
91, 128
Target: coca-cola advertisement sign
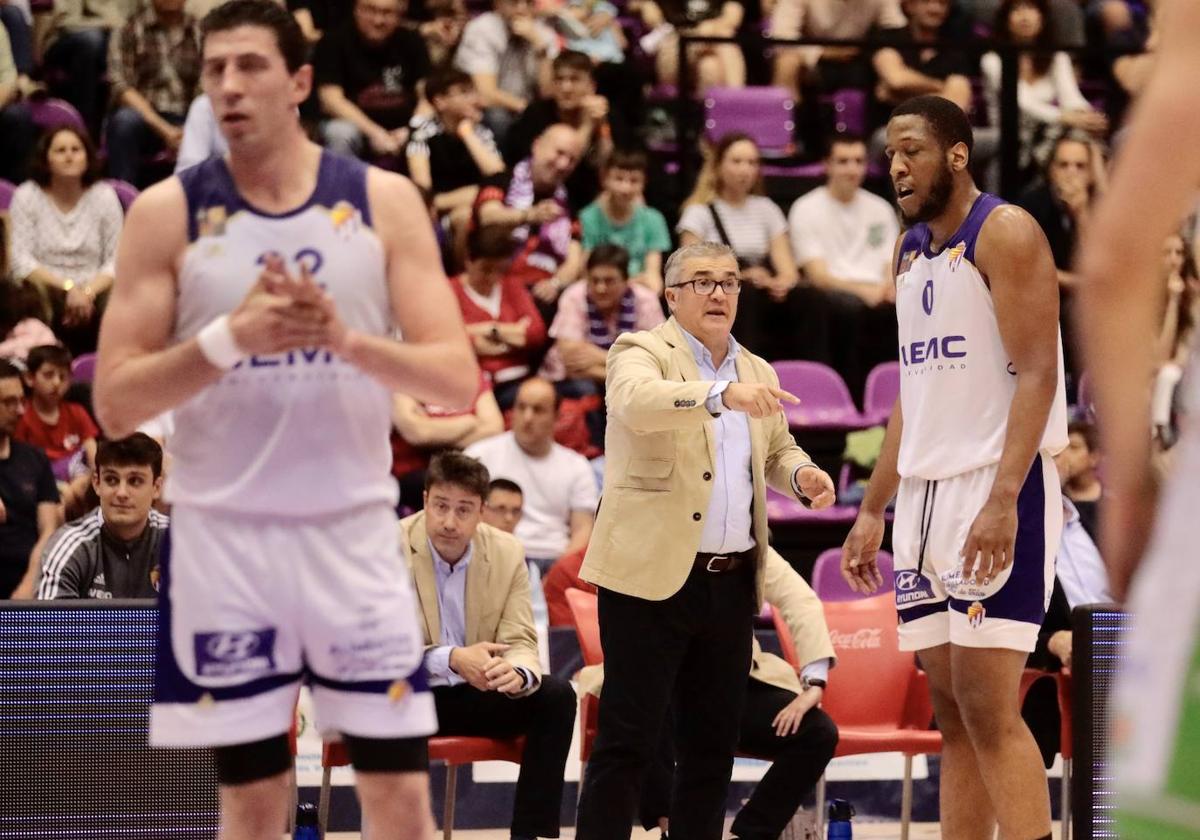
865, 638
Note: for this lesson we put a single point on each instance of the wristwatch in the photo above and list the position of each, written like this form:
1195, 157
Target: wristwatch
812, 682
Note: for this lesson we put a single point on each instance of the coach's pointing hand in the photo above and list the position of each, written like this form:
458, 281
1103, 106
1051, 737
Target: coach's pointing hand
756, 399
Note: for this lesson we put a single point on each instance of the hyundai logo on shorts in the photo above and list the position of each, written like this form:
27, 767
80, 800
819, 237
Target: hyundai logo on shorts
906, 580
233, 647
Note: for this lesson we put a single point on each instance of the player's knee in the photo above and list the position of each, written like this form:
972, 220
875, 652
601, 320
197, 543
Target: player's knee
988, 718
255, 808
946, 713
396, 805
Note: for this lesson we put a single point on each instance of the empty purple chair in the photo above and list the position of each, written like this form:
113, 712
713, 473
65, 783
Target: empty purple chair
126, 192
881, 392
849, 110
6, 194
828, 583
764, 113
48, 114
825, 401
83, 368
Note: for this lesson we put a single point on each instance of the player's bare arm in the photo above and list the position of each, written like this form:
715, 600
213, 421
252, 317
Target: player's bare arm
138, 376
1015, 258
1119, 266
434, 363
861, 548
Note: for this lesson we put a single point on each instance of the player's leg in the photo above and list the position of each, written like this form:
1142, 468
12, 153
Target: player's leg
255, 788
392, 780
986, 686
966, 808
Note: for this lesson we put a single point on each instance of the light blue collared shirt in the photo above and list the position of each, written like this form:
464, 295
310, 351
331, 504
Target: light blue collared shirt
452, 608
1080, 568
728, 522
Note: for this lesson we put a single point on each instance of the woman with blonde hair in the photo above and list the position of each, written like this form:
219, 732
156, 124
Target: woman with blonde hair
728, 205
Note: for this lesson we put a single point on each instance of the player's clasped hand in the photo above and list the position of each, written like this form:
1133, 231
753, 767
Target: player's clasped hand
989, 547
480, 665
284, 312
756, 399
860, 553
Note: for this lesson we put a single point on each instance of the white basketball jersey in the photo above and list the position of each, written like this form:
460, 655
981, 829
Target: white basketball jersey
956, 380
293, 434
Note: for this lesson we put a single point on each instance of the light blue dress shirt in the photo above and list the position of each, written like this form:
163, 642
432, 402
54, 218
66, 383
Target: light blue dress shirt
728, 522
1080, 568
452, 607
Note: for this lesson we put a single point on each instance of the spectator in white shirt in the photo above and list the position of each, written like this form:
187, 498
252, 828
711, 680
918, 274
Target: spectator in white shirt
559, 486
843, 237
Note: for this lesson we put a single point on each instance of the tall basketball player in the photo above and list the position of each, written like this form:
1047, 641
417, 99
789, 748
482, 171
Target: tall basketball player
256, 296
969, 448
1157, 737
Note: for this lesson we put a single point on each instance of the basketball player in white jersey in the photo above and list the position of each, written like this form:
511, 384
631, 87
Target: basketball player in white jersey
257, 297
969, 448
1157, 701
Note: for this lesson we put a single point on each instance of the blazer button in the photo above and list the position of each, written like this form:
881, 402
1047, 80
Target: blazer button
708, 476
696, 516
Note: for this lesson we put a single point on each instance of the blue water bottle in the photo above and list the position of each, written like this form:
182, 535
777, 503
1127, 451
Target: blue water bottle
840, 814
306, 822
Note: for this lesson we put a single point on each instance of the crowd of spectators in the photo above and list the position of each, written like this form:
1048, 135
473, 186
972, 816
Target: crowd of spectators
525, 125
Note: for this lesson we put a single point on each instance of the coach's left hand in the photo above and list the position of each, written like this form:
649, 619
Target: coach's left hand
787, 722
817, 487
991, 540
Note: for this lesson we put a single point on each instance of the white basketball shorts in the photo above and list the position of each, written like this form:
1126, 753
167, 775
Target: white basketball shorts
250, 606
932, 521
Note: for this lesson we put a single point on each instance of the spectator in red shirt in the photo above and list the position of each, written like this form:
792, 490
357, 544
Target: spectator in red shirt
419, 430
504, 324
63, 430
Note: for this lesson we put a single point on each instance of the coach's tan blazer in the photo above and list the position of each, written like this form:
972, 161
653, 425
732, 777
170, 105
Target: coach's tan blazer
791, 596
497, 607
660, 460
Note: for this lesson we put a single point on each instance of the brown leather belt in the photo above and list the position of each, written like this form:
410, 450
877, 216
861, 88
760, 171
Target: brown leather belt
719, 564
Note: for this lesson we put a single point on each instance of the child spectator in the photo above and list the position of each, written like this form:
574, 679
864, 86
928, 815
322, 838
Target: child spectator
591, 314
61, 429
502, 320
620, 216
451, 152
21, 324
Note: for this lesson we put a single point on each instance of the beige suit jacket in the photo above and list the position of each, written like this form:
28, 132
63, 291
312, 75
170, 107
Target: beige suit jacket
790, 595
660, 459
497, 605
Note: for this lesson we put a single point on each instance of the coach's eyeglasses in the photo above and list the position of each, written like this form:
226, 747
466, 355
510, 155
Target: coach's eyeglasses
707, 285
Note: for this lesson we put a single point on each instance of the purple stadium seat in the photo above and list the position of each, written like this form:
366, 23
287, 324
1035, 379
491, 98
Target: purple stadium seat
783, 509
825, 401
882, 389
828, 583
83, 368
849, 110
126, 192
6, 194
55, 113
764, 113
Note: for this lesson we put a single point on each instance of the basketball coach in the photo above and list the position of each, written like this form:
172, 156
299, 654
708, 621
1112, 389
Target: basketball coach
695, 433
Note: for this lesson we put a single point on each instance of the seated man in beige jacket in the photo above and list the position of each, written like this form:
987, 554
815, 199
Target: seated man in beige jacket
781, 720
481, 647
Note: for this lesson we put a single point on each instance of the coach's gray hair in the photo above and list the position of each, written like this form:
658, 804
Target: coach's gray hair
695, 250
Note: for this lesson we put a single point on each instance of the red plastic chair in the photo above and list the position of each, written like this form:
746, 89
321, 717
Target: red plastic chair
825, 401
864, 637
1066, 739
585, 616
880, 393
828, 583
454, 750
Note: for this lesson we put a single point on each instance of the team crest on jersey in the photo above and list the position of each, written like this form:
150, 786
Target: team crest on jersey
954, 255
906, 261
345, 219
210, 221
975, 614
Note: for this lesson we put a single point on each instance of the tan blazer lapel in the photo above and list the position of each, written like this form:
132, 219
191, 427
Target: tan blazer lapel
425, 581
478, 575
690, 372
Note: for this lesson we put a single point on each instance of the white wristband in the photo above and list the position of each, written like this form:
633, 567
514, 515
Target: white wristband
218, 344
